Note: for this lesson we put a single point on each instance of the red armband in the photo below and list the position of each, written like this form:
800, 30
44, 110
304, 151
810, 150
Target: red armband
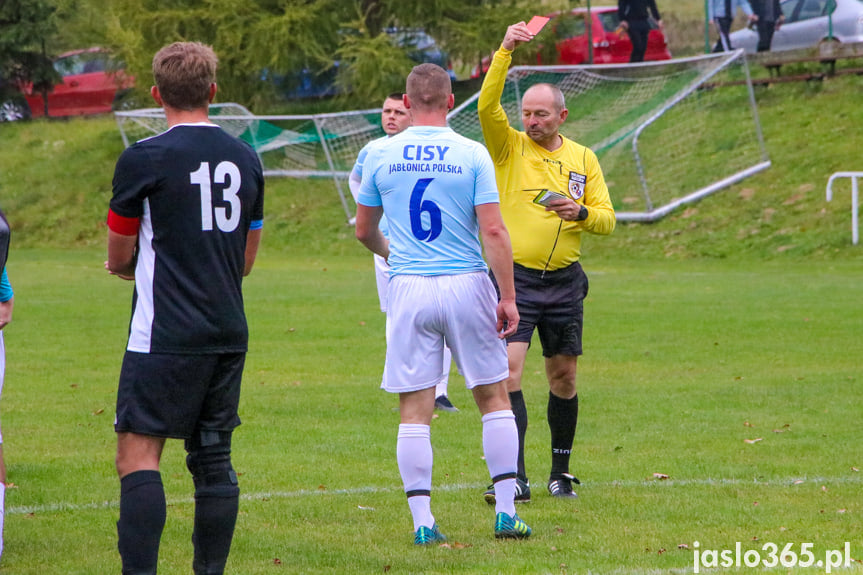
122, 225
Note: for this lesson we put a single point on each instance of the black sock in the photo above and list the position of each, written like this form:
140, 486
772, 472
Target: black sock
516, 400
142, 519
215, 518
562, 419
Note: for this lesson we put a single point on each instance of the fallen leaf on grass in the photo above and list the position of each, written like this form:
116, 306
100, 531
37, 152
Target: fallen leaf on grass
755, 504
661, 551
682, 546
99, 412
842, 511
756, 440
322, 487
798, 482
277, 561
854, 469
747, 424
824, 488
660, 476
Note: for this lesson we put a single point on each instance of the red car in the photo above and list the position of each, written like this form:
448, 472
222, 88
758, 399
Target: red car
90, 86
611, 44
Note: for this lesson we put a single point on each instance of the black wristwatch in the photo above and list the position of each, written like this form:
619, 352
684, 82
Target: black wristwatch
582, 213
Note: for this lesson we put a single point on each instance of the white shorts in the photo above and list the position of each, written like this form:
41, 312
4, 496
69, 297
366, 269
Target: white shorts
426, 312
382, 278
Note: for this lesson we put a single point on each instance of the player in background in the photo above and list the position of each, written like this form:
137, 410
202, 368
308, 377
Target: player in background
184, 222
395, 118
438, 193
7, 302
546, 242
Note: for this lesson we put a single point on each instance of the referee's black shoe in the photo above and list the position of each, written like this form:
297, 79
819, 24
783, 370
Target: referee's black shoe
561, 485
522, 492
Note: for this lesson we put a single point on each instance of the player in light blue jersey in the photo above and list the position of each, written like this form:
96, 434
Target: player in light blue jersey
395, 118
438, 192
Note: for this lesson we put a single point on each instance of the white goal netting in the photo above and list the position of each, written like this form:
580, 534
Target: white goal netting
298, 146
666, 133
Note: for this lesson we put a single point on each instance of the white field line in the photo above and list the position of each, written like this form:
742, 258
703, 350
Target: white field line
651, 483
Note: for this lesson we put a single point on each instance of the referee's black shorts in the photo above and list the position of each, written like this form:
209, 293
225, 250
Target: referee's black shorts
551, 302
168, 395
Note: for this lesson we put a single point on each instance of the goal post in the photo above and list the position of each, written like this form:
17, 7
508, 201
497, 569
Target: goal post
666, 133
293, 146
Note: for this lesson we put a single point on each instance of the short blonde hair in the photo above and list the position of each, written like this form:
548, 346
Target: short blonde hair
184, 72
429, 87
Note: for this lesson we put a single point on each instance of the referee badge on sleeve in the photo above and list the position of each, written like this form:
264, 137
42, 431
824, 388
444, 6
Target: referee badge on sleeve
576, 185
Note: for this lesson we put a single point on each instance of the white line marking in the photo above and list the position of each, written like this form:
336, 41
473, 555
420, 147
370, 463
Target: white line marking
652, 483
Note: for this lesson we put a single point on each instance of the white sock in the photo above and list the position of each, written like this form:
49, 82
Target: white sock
2, 513
500, 445
441, 387
415, 458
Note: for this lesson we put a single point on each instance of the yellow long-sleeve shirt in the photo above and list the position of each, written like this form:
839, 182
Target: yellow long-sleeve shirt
540, 239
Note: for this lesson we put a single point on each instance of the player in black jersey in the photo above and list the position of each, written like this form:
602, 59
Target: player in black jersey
184, 222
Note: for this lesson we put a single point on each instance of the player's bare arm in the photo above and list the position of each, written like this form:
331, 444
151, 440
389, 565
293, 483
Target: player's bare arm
253, 240
6, 312
368, 218
121, 255
498, 253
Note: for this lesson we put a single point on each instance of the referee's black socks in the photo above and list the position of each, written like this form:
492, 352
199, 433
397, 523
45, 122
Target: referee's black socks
562, 419
516, 400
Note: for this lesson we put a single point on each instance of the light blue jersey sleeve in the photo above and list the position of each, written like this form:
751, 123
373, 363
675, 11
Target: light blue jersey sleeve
6, 292
429, 181
357, 172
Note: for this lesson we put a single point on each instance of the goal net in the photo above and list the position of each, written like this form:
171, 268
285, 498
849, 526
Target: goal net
666, 133
298, 146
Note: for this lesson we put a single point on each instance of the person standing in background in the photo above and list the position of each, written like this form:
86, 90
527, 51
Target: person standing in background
770, 18
633, 16
721, 13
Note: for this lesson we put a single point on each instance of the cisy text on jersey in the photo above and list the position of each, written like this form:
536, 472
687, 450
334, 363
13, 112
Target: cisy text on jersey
424, 153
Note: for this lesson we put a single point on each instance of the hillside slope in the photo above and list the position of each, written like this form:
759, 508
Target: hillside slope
55, 183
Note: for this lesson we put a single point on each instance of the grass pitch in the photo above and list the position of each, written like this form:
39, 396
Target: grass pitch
738, 380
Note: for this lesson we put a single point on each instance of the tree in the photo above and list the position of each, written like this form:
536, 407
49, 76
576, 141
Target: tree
259, 38
25, 26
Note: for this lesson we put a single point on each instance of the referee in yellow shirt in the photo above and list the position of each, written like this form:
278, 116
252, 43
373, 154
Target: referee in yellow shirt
551, 190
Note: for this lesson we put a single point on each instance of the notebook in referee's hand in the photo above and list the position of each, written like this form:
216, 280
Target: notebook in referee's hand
545, 197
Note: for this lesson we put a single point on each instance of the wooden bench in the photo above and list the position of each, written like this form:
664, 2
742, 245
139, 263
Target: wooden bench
826, 53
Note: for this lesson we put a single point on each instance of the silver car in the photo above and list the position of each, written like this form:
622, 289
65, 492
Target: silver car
807, 22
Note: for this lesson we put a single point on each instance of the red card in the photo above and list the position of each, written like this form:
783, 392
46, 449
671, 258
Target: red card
536, 24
